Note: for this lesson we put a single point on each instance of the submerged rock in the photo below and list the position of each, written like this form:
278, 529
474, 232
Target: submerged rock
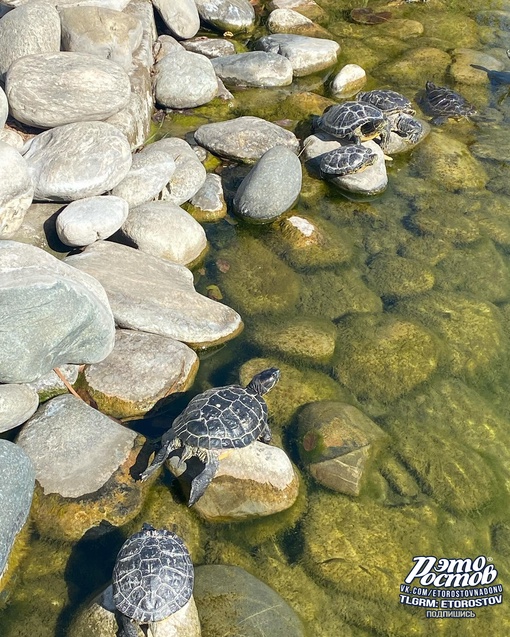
392, 276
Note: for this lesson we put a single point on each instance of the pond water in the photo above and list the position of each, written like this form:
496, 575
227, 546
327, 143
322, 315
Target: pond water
415, 284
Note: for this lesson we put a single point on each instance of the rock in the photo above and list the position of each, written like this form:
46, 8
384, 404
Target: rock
154, 295
256, 68
17, 479
189, 175
87, 220
348, 81
150, 171
39, 229
115, 5
34, 87
8, 135
164, 45
82, 461
180, 16
462, 71
394, 277
16, 190
244, 139
227, 15
141, 370
210, 47
289, 21
271, 187
308, 8
31, 28
306, 55
491, 144
184, 80
208, 203
414, 65
50, 385
77, 160
336, 441
70, 309
397, 144
228, 598
254, 481
108, 34
17, 404
99, 616
164, 230
460, 31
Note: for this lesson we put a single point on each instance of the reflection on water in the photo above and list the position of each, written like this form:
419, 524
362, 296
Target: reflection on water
402, 308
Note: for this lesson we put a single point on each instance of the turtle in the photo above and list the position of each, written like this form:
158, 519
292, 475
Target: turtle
346, 160
152, 578
442, 103
353, 121
218, 419
389, 102
495, 77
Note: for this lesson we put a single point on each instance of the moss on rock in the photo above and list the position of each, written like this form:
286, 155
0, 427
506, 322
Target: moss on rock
392, 276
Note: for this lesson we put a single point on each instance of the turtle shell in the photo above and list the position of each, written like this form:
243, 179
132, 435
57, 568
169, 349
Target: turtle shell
153, 575
222, 418
347, 160
341, 120
387, 101
442, 101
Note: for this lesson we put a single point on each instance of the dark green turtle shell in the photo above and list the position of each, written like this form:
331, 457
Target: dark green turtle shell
341, 120
442, 101
347, 160
387, 101
153, 575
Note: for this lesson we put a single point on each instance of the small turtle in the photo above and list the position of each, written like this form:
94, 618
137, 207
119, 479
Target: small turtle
152, 578
354, 121
443, 103
406, 126
389, 102
218, 419
347, 160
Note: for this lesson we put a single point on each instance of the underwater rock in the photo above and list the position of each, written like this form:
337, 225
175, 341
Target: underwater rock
17, 404
462, 71
254, 481
336, 441
229, 600
414, 65
392, 276
429, 218
227, 15
90, 219
455, 29
141, 370
306, 55
383, 357
256, 68
16, 190
208, 203
289, 21
348, 81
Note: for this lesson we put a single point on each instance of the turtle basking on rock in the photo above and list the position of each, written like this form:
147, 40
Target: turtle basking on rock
346, 160
152, 579
218, 419
443, 103
387, 101
353, 121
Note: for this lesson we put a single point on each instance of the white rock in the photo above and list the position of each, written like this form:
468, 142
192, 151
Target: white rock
348, 81
12, 137
87, 220
164, 45
282, 19
307, 55
17, 404
180, 16
189, 175
16, 190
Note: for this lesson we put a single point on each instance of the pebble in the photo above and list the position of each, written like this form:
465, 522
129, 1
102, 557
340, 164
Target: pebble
256, 68
90, 219
180, 16
77, 160
227, 15
306, 55
16, 190
17, 404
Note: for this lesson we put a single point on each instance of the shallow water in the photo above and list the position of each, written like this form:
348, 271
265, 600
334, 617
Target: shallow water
440, 484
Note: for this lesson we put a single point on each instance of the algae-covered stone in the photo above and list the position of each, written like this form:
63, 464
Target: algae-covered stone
383, 357
399, 478
453, 27
462, 71
414, 65
430, 218
309, 338
230, 600
141, 370
296, 388
448, 163
257, 281
426, 249
336, 440
395, 277
208, 204
334, 294
472, 330
308, 243
400, 28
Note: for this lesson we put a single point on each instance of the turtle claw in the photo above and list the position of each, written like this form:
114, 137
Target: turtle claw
202, 481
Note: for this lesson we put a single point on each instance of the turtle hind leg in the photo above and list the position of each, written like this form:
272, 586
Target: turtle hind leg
200, 483
167, 447
266, 435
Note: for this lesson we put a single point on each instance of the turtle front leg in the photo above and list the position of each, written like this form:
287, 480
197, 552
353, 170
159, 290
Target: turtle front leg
266, 434
168, 445
200, 483
127, 628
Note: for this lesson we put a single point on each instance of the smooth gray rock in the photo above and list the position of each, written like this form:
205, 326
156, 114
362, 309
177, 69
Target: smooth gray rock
150, 171
75, 449
11, 137
246, 605
210, 47
38, 229
397, 144
77, 161
141, 369
112, 35
184, 80
165, 230
180, 16
4, 107
16, 190
227, 15
50, 385
244, 139
189, 175
271, 187
256, 68
306, 55
115, 5
164, 45
209, 201
17, 404
87, 220
50, 314
17, 482
348, 81
52, 89
30, 28
154, 295
284, 20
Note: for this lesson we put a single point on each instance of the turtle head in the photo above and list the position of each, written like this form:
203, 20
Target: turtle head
264, 381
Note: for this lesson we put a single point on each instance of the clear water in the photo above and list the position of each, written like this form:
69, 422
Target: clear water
422, 348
